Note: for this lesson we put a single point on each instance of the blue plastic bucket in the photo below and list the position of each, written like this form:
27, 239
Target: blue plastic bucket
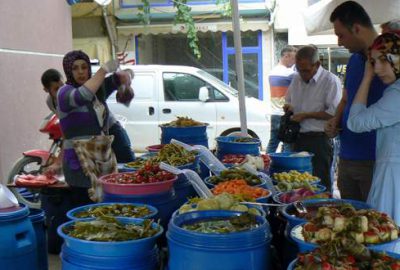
227, 145
319, 189
273, 169
18, 247
37, 218
190, 250
73, 260
210, 185
258, 207
71, 214
391, 254
391, 246
294, 220
134, 248
282, 162
164, 202
190, 135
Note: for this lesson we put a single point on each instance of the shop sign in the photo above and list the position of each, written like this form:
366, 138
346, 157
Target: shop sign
199, 27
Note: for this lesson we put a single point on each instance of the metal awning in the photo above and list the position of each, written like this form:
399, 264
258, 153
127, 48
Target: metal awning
316, 17
245, 25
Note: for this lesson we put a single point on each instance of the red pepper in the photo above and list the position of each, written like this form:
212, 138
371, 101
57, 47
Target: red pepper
395, 266
351, 259
326, 266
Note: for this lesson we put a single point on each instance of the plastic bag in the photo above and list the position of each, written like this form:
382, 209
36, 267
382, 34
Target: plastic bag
288, 129
125, 92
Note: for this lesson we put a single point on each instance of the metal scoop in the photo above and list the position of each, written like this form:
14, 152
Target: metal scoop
300, 207
263, 204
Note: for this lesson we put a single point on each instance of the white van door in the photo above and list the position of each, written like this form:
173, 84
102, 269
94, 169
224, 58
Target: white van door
181, 98
142, 118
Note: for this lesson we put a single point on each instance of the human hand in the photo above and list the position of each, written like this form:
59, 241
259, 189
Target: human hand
369, 70
287, 108
53, 169
298, 117
110, 66
331, 127
125, 76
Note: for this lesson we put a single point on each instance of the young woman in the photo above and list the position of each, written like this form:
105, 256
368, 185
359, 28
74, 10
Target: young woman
83, 115
384, 116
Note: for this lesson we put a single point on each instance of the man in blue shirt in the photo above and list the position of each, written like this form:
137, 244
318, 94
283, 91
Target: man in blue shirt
355, 32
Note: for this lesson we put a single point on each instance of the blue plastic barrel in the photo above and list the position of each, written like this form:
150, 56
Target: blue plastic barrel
283, 162
93, 255
18, 248
37, 218
227, 145
190, 135
190, 250
164, 202
73, 260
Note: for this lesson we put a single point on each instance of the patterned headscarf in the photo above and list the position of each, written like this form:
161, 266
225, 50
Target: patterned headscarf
69, 60
388, 44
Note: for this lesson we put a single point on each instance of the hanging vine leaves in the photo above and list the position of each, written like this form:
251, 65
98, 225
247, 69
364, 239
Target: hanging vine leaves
183, 15
144, 12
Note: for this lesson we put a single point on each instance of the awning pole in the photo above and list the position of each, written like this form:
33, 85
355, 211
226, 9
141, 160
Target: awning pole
239, 66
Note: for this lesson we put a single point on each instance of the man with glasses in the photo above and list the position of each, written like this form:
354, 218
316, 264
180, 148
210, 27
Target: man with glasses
313, 97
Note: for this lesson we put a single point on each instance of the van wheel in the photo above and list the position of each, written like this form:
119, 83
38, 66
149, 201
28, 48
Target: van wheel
236, 132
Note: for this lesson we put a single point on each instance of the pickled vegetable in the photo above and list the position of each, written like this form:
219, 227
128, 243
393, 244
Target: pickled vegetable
345, 255
174, 155
244, 222
115, 210
137, 163
109, 229
364, 226
235, 173
183, 122
243, 139
222, 201
294, 176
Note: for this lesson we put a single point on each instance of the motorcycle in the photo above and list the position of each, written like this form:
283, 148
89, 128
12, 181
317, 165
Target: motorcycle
35, 161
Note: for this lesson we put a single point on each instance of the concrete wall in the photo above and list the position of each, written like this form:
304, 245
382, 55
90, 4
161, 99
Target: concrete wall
34, 36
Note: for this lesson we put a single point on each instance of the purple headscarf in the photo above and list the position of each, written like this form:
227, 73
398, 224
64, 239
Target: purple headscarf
69, 60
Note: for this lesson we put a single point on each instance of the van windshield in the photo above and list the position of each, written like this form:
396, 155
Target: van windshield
218, 82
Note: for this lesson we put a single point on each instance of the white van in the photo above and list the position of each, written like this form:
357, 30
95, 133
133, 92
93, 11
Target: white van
164, 92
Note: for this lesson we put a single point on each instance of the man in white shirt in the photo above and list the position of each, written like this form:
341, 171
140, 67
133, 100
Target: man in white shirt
313, 97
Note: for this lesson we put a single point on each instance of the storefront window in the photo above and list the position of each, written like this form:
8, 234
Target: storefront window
335, 60
174, 50
249, 39
250, 69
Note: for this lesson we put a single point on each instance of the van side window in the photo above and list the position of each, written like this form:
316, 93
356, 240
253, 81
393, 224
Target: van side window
185, 87
218, 96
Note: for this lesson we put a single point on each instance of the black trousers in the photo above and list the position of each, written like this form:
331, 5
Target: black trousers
321, 146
